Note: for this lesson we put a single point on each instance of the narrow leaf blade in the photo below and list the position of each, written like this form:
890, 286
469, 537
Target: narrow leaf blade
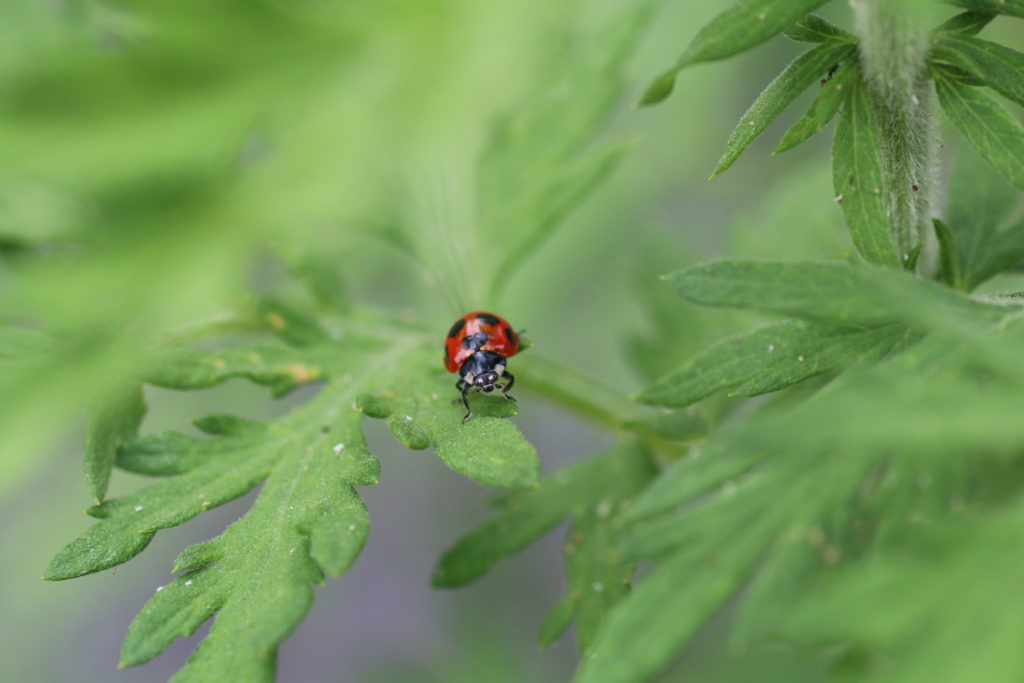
824, 107
985, 123
114, 423
744, 25
801, 73
1013, 8
857, 177
814, 29
998, 67
769, 359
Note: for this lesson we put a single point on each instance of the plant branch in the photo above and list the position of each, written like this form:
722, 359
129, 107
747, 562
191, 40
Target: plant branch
893, 50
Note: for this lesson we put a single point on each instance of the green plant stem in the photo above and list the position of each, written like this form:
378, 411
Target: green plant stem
591, 400
893, 49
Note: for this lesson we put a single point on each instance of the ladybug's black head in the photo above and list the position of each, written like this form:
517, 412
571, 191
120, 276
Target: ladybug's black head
486, 381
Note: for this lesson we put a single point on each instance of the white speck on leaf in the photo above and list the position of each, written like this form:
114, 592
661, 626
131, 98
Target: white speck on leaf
604, 508
838, 198
339, 447
800, 358
351, 527
771, 348
597, 586
159, 588
138, 508
189, 582
408, 418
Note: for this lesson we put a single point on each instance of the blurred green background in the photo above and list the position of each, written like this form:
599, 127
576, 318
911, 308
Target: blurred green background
164, 161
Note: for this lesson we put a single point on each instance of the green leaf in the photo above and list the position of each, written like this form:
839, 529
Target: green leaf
592, 494
801, 73
950, 268
981, 240
668, 607
984, 122
115, 422
770, 359
825, 105
967, 24
308, 521
1012, 7
744, 25
814, 29
857, 178
998, 67
852, 294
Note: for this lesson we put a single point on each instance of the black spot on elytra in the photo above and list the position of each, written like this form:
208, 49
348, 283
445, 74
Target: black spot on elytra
488, 318
456, 328
511, 336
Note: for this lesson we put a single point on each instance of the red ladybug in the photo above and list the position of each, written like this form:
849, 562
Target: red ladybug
478, 347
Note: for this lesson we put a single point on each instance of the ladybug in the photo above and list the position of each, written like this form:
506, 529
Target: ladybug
478, 347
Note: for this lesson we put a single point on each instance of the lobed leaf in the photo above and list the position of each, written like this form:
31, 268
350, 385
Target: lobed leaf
745, 24
851, 294
857, 178
770, 359
825, 105
801, 73
1011, 7
998, 67
984, 122
308, 521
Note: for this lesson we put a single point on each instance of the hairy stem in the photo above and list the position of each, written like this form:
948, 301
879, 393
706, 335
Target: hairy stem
893, 49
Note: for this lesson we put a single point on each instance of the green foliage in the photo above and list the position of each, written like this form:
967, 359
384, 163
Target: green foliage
864, 509
984, 122
593, 496
803, 72
308, 522
857, 177
744, 25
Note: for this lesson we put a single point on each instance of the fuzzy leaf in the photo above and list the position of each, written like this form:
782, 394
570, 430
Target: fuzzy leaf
801, 73
308, 521
966, 24
745, 24
984, 122
857, 178
853, 294
770, 359
826, 104
998, 67
814, 29
1012, 7
115, 422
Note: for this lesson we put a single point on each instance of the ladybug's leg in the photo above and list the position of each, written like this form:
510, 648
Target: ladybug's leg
504, 389
465, 400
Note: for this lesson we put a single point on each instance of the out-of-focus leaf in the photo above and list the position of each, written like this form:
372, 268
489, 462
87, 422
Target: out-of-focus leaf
745, 24
998, 67
984, 123
831, 96
978, 238
853, 294
770, 359
857, 177
801, 73
593, 495
814, 29
114, 423
1012, 7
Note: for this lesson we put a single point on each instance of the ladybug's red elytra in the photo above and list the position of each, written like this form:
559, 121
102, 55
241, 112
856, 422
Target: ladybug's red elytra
478, 347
